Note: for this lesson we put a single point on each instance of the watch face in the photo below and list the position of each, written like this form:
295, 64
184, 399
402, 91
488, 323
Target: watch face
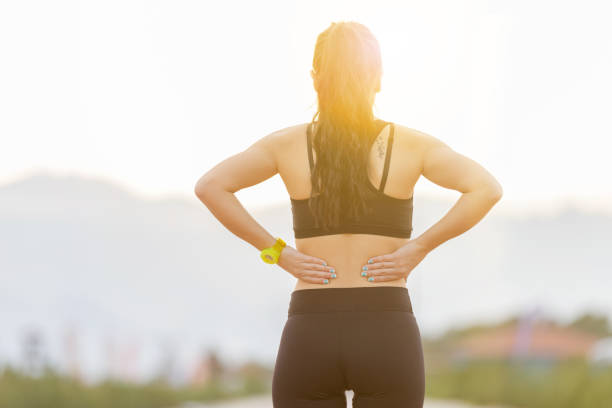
268, 255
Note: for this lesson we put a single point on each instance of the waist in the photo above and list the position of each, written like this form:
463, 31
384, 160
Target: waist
352, 299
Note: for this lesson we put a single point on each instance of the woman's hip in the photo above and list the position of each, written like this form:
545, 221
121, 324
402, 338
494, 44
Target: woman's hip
361, 339
354, 324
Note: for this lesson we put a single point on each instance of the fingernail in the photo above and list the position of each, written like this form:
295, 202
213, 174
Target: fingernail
324, 263
370, 261
364, 274
326, 281
333, 275
365, 268
371, 279
332, 270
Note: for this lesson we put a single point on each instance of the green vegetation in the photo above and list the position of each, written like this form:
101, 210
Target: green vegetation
528, 381
538, 380
566, 384
563, 384
51, 390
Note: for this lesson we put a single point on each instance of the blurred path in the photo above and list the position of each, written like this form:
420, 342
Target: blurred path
266, 402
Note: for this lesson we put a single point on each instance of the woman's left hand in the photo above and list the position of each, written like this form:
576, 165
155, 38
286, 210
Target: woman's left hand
396, 265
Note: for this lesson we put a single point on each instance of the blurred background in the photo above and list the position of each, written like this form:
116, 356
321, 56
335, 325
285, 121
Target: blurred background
118, 287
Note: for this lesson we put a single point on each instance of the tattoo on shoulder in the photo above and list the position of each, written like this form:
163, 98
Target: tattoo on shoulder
380, 145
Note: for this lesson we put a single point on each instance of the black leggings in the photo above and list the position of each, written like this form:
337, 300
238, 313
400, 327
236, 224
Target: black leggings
364, 339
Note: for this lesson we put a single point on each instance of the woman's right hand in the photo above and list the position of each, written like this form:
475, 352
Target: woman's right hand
305, 267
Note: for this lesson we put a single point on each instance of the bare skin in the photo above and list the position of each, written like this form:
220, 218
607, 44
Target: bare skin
414, 154
388, 260
347, 254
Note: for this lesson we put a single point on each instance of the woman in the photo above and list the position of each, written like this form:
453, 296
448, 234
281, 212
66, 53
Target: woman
350, 178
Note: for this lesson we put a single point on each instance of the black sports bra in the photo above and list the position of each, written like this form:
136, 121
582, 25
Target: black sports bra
390, 216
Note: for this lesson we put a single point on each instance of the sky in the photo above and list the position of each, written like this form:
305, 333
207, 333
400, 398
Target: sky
153, 94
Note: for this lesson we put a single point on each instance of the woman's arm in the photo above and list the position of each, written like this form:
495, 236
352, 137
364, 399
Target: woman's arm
449, 169
216, 189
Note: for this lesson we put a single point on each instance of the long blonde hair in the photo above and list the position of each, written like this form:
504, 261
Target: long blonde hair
348, 68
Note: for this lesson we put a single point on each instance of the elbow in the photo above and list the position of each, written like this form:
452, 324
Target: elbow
495, 192
206, 188
490, 191
202, 188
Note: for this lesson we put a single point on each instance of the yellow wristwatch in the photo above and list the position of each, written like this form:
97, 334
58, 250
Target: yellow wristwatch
270, 255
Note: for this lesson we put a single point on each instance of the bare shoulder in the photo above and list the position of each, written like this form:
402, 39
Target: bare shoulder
414, 145
282, 139
416, 140
288, 134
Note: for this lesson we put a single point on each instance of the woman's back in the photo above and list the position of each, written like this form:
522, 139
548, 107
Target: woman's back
320, 355
348, 252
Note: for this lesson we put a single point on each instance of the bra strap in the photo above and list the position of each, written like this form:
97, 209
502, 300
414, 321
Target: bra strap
387, 158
